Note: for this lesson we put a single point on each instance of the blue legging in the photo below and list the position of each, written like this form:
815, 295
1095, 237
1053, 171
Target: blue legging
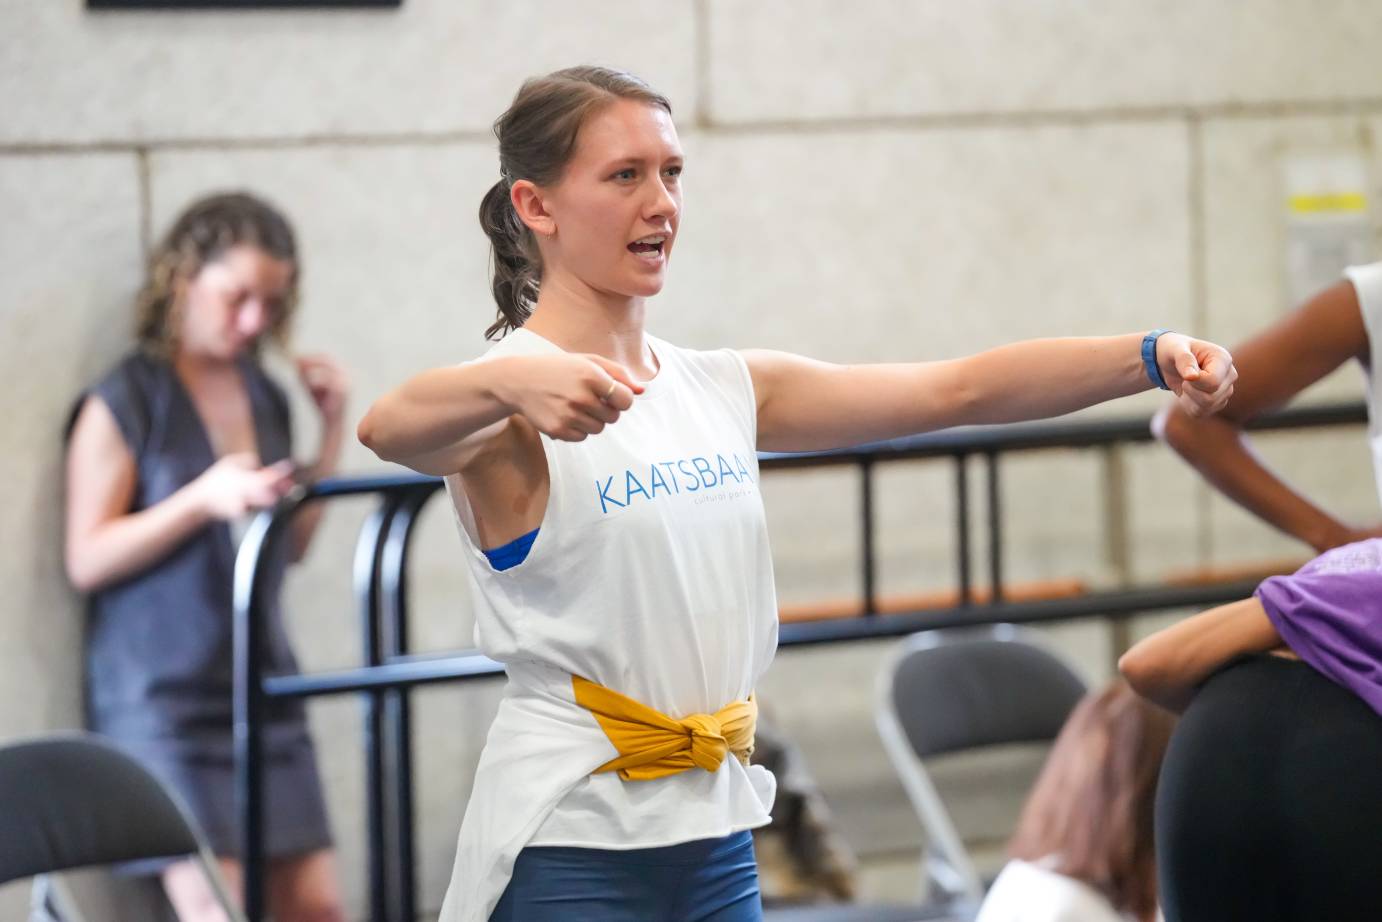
710, 880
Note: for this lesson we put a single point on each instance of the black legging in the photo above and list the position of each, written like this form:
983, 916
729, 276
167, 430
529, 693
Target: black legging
1270, 801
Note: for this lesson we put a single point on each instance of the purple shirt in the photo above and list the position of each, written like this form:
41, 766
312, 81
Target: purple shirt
1330, 613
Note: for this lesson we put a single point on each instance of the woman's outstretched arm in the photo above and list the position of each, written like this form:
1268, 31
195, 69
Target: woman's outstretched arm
807, 405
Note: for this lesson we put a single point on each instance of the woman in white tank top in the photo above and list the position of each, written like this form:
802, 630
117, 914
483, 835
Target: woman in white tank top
1333, 328
606, 487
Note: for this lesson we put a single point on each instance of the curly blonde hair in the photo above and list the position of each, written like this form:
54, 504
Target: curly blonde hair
202, 234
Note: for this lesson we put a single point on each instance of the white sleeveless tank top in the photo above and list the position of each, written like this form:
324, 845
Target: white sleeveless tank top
1367, 282
650, 575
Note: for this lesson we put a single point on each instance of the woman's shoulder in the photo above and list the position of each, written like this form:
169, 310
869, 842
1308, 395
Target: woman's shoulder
126, 385
518, 342
721, 374
136, 366
126, 388
721, 361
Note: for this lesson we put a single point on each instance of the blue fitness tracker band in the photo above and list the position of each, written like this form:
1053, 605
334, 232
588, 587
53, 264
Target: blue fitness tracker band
1149, 359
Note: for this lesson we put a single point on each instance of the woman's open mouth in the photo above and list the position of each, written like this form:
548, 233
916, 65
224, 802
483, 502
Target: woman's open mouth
650, 248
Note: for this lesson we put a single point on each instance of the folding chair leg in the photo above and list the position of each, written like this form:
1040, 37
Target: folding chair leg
51, 900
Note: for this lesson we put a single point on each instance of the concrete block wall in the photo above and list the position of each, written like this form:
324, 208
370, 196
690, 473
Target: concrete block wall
884, 180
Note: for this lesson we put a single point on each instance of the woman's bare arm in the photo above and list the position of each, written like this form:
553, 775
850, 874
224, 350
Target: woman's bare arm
440, 420
805, 404
106, 542
1167, 666
1273, 367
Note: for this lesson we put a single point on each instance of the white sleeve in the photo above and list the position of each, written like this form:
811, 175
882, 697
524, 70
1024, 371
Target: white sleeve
749, 398
1367, 282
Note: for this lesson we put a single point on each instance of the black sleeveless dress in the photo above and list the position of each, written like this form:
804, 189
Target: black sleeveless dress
158, 644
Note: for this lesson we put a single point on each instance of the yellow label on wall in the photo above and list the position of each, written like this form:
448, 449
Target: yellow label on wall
1326, 217
1328, 203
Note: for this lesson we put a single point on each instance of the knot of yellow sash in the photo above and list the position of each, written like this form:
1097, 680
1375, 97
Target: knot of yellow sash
653, 745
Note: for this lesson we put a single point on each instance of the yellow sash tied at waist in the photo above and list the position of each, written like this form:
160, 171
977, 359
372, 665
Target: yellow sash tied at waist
653, 745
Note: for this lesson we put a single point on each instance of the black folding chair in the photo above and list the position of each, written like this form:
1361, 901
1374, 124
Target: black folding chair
951, 691
72, 800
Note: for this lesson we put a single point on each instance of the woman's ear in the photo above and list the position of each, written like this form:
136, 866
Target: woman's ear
531, 208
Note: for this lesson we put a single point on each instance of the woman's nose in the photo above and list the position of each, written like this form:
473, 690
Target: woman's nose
252, 317
662, 203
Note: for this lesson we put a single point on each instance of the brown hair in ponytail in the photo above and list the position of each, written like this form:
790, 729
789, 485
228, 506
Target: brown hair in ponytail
537, 136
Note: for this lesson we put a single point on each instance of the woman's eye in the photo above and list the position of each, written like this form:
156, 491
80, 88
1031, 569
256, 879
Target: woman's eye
625, 174
674, 172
